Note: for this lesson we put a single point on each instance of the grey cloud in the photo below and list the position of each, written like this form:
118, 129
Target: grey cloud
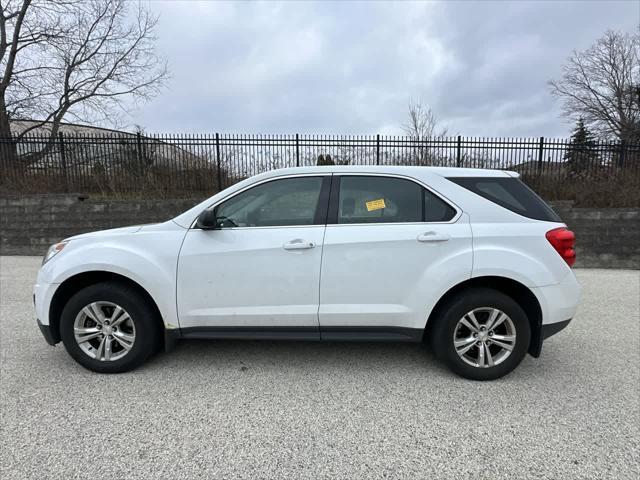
353, 67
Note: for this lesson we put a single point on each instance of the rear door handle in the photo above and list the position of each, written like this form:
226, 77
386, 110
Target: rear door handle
433, 237
298, 244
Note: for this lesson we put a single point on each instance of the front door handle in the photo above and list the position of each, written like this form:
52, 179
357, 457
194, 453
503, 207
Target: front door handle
433, 237
298, 244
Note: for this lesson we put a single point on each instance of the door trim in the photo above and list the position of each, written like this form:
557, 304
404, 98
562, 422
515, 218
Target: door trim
371, 334
251, 333
327, 334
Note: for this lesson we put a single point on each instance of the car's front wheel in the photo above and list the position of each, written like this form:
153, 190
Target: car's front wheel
481, 334
109, 328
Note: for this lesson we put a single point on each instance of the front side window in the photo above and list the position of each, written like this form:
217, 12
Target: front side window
285, 202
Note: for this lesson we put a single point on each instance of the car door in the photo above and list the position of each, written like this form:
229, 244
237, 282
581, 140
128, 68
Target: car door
260, 270
391, 247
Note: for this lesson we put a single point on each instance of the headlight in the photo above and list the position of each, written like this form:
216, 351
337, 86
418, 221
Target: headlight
53, 251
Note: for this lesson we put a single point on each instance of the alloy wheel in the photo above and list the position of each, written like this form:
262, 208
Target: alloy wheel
484, 337
104, 331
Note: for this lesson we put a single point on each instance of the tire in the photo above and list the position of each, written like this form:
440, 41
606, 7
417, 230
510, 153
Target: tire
138, 329
483, 303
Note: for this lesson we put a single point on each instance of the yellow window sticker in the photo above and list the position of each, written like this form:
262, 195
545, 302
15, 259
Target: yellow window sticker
375, 205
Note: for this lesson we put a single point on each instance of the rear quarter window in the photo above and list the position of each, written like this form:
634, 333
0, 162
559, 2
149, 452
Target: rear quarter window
510, 193
436, 209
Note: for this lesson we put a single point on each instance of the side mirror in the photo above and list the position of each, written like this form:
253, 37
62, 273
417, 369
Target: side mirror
207, 220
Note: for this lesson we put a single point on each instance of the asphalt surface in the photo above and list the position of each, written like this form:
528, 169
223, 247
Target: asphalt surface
309, 410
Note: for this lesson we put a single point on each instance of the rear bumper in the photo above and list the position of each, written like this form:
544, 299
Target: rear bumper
557, 304
553, 328
560, 301
541, 333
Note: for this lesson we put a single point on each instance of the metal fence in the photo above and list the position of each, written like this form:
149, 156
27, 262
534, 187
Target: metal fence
179, 165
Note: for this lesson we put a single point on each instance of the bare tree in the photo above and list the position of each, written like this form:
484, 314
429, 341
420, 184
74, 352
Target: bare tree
601, 86
77, 59
421, 127
422, 122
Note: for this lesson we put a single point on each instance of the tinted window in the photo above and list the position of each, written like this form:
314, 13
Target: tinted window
379, 200
290, 201
436, 209
510, 193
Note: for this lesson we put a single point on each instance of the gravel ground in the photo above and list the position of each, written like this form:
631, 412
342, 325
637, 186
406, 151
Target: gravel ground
309, 410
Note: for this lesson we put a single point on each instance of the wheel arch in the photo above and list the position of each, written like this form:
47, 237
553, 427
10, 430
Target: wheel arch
514, 289
81, 280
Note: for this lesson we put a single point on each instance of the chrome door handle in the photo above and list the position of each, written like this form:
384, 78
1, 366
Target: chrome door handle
433, 237
298, 244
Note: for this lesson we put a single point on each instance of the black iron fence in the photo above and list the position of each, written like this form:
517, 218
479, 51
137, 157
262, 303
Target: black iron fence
180, 165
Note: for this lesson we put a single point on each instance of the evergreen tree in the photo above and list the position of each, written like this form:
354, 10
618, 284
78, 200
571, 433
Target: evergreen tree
581, 155
325, 160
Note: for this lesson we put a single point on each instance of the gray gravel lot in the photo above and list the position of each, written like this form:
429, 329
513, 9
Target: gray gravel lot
309, 410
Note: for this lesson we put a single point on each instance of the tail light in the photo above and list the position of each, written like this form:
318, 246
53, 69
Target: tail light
564, 241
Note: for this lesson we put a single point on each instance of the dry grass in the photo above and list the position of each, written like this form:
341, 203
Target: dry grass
600, 189
615, 189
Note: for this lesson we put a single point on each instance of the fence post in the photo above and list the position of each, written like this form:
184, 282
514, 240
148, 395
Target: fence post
218, 162
378, 149
623, 151
459, 152
297, 150
139, 152
540, 154
63, 162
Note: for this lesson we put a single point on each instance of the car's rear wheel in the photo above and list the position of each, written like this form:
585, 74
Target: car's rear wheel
481, 334
109, 328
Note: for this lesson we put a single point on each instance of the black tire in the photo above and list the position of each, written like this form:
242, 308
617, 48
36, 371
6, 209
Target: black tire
143, 317
442, 335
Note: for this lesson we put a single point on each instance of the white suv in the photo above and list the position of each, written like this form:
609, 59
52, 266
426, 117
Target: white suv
472, 261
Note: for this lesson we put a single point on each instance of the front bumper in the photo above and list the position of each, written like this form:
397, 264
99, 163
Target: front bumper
42, 295
47, 333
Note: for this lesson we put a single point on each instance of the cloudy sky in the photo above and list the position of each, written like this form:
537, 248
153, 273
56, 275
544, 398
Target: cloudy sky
353, 67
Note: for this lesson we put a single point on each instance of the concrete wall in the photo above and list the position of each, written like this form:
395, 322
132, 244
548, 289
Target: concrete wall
607, 238
29, 224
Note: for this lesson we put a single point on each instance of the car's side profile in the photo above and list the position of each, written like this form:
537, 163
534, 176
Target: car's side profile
470, 260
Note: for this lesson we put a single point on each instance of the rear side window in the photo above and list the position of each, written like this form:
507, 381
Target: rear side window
510, 193
378, 199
